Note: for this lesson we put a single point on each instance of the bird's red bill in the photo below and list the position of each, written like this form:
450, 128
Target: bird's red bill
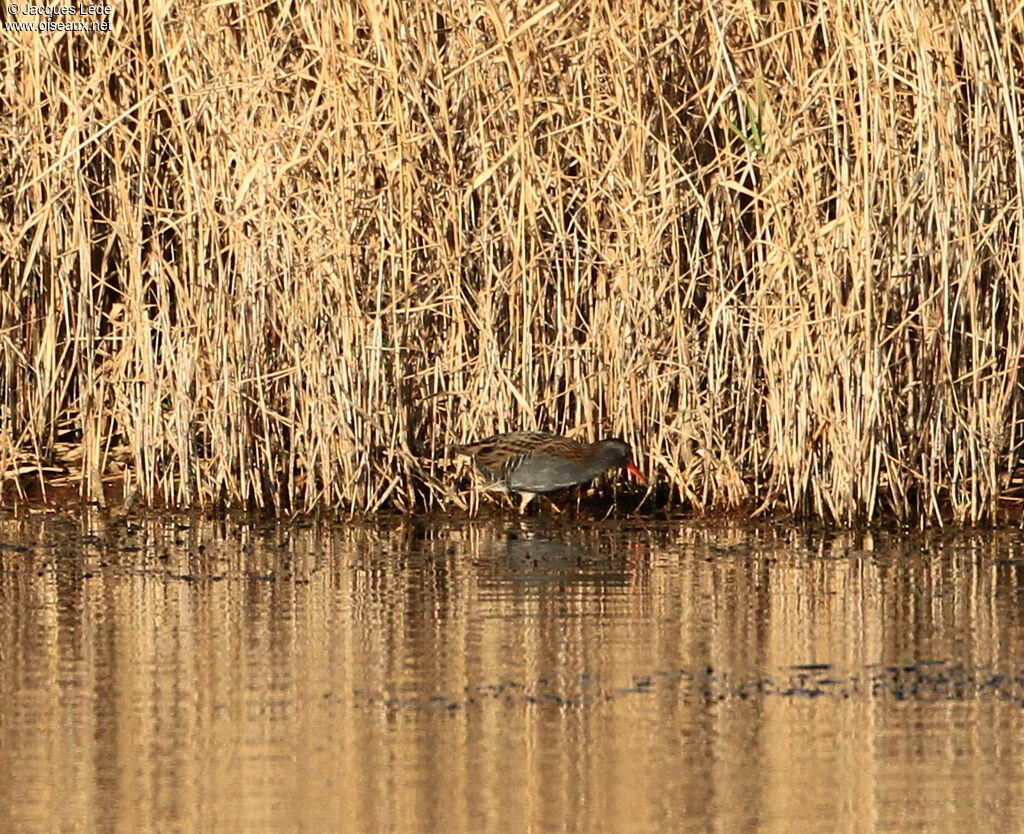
636, 473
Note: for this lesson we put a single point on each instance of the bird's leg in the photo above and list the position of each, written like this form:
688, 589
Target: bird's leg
527, 497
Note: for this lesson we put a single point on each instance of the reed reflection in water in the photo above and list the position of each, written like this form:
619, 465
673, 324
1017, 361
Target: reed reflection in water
183, 673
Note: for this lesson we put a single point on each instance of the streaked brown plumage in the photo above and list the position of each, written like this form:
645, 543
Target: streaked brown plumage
530, 462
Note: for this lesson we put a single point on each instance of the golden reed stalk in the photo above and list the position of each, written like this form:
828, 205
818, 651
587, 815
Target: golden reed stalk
278, 257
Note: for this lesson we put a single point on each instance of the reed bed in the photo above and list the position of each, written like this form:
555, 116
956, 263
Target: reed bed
286, 255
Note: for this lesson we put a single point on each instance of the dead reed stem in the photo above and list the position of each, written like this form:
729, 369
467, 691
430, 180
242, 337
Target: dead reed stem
280, 258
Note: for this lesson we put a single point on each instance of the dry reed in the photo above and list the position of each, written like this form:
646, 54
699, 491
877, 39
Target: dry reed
286, 255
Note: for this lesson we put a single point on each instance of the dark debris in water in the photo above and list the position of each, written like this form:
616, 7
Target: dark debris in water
924, 681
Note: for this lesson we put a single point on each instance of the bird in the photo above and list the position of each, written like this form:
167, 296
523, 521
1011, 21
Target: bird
532, 462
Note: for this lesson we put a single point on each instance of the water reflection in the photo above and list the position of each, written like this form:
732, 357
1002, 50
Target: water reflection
194, 674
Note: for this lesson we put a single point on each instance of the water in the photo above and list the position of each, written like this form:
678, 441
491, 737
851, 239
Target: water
190, 674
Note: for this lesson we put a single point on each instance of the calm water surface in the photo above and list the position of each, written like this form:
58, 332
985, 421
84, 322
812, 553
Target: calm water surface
188, 674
